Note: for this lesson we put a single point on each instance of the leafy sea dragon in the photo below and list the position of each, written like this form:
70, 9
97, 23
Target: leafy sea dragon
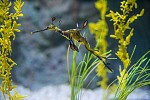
74, 34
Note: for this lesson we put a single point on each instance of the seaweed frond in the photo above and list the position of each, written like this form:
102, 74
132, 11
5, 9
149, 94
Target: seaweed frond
121, 22
8, 27
100, 30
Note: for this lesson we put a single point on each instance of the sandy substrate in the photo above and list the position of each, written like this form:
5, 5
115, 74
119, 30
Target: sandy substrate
62, 92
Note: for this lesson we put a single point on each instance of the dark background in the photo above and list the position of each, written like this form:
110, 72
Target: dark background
41, 58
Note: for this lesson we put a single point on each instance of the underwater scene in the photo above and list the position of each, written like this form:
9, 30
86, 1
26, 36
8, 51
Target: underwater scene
74, 50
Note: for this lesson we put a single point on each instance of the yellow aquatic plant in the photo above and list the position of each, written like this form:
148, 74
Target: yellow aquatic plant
121, 22
100, 30
8, 27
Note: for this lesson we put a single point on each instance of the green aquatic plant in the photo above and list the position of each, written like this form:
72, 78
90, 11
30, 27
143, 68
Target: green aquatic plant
137, 77
8, 27
80, 72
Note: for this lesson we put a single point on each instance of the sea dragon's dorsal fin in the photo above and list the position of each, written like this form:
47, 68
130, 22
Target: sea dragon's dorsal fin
84, 24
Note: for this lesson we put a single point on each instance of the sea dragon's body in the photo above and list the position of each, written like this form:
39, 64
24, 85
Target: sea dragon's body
74, 34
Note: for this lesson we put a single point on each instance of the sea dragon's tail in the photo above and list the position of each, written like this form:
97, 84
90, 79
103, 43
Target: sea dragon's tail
94, 52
